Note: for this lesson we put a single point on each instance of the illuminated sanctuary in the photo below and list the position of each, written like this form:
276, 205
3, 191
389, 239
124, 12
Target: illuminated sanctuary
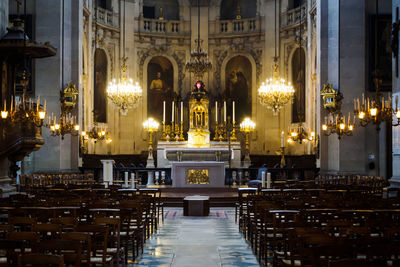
130, 115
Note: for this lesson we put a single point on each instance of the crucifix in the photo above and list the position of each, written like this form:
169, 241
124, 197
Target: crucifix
395, 41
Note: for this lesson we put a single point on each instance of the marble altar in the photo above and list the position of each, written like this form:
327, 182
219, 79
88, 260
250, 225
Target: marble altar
209, 174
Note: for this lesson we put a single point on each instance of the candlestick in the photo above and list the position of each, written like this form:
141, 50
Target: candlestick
224, 111
233, 134
163, 117
216, 111
173, 111
181, 138
181, 111
233, 111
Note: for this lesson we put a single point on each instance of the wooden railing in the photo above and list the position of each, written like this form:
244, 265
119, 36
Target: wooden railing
293, 16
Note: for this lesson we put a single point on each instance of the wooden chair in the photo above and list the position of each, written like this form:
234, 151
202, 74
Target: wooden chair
47, 231
70, 249
37, 259
21, 223
114, 238
85, 240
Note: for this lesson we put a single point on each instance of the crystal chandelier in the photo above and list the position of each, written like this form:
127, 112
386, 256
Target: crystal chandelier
199, 62
336, 124
275, 92
125, 94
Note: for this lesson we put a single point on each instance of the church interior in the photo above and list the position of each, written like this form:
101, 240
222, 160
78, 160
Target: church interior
199, 133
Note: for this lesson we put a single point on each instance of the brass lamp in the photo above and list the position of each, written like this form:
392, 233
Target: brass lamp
247, 126
300, 134
23, 111
150, 126
336, 124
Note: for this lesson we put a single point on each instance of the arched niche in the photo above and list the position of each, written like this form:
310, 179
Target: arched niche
160, 87
299, 83
230, 9
238, 85
100, 86
166, 9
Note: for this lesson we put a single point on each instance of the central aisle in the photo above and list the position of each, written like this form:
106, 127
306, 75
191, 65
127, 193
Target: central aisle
198, 242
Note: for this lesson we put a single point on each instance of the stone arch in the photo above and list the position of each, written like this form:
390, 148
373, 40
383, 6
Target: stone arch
297, 75
229, 9
252, 63
167, 9
100, 81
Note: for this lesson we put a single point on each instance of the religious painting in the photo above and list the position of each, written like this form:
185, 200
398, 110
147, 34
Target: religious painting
100, 86
381, 51
299, 84
160, 81
238, 82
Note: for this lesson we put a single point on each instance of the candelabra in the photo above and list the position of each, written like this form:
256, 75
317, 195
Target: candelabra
376, 110
150, 126
216, 136
233, 132
66, 125
164, 132
300, 134
181, 138
336, 124
23, 112
247, 126
96, 133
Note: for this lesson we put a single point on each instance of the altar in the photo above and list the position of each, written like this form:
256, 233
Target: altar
198, 174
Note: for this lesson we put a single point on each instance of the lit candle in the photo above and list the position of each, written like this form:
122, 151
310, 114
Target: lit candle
233, 111
282, 139
173, 111
216, 111
182, 111
163, 114
224, 111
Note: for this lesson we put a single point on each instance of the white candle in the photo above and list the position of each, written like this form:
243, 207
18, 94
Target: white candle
133, 180
216, 111
173, 111
163, 114
233, 111
126, 179
269, 180
282, 139
224, 111
263, 179
181, 111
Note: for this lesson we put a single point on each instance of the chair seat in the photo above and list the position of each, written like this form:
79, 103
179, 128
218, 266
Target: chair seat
100, 259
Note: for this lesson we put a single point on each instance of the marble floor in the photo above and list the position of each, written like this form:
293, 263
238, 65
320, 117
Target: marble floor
197, 242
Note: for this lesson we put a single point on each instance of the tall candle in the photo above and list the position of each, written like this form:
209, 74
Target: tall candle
126, 179
216, 111
263, 179
163, 114
181, 111
269, 180
233, 111
173, 111
282, 139
224, 111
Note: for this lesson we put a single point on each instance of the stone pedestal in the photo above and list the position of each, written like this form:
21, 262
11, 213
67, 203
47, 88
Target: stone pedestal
107, 170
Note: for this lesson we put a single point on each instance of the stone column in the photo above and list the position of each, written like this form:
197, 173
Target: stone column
348, 154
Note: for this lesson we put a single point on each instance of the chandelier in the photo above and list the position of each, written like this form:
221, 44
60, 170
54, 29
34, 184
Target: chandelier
67, 125
125, 94
376, 110
199, 62
336, 124
275, 92
23, 111
96, 133
300, 134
